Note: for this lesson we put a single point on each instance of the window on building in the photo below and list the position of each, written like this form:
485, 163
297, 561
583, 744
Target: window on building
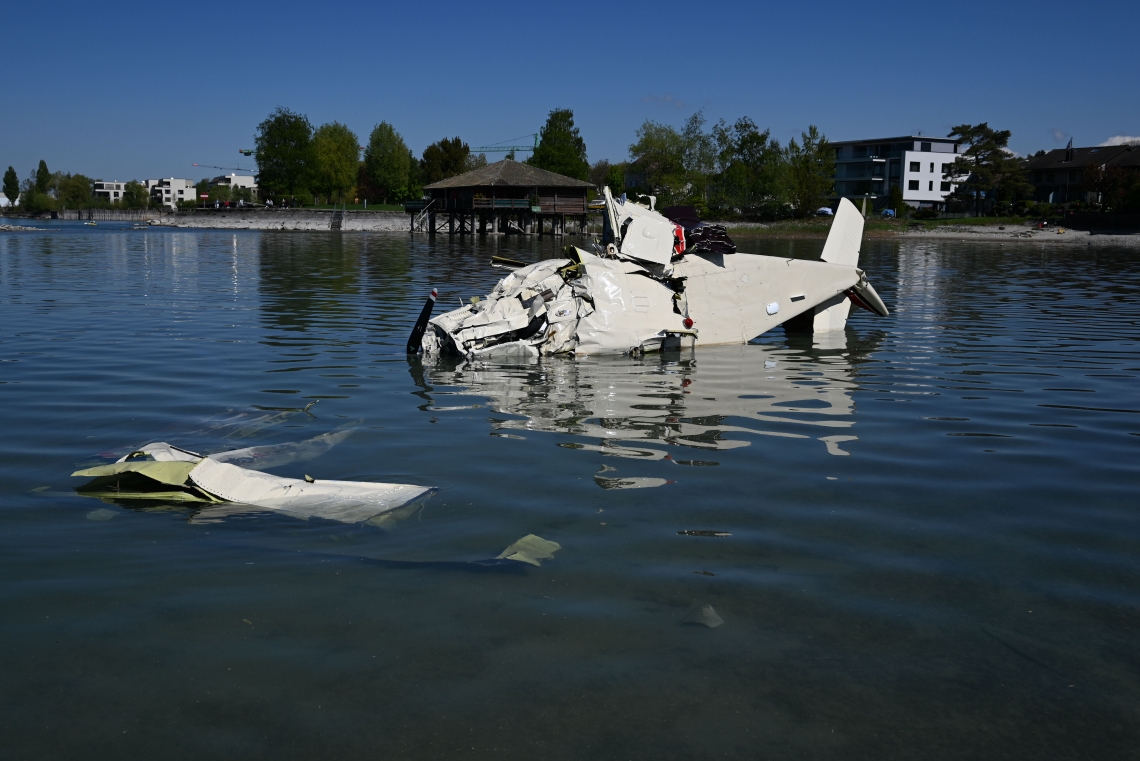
915, 166
932, 167
931, 185
912, 185
1048, 177
925, 147
945, 187
839, 152
860, 151
945, 169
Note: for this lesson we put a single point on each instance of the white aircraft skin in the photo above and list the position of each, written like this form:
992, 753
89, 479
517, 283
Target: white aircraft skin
638, 296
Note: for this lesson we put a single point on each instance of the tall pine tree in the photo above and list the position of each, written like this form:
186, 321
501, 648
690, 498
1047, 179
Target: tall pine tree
560, 148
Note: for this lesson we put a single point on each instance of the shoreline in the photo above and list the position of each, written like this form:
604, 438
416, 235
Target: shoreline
952, 232
320, 220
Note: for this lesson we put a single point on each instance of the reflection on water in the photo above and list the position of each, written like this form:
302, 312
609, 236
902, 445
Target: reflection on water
717, 398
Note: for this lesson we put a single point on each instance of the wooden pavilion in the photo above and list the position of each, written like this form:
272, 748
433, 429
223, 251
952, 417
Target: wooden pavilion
506, 196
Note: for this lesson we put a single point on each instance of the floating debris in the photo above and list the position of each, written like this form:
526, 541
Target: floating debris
704, 573
170, 473
702, 532
102, 514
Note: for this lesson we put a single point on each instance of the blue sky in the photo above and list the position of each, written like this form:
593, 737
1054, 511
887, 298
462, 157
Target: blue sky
134, 90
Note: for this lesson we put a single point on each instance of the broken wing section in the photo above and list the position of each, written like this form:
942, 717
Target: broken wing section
179, 475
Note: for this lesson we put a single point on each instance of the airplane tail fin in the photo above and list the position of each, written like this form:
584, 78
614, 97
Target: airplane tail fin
846, 236
842, 247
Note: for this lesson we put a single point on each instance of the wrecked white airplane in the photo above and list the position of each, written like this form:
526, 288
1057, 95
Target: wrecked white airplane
660, 280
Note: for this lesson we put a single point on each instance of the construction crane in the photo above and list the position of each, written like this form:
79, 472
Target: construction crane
251, 152
500, 148
233, 168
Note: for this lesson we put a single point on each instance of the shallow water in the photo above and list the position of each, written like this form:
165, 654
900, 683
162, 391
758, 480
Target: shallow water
934, 549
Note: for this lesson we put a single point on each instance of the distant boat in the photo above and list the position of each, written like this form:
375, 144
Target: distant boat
90, 224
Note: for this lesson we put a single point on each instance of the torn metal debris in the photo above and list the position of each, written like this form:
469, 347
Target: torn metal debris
161, 471
656, 282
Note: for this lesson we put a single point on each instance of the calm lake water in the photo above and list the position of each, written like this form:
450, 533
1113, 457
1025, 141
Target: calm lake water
935, 520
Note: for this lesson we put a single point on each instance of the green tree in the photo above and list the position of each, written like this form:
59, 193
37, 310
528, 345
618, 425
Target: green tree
673, 164
11, 185
336, 159
386, 167
605, 174
809, 171
658, 160
415, 177
749, 165
444, 159
986, 170
284, 152
220, 193
32, 200
474, 161
135, 195
201, 188
1117, 188
74, 191
897, 202
560, 148
43, 177
615, 177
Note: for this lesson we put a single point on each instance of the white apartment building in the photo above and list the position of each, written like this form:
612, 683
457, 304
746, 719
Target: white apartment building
169, 191
112, 191
236, 181
915, 164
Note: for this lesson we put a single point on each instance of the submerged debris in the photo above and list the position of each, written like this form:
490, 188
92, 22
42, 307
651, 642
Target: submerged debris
702, 615
530, 549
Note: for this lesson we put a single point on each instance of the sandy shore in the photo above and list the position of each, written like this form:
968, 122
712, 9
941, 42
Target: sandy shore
1006, 234
1048, 235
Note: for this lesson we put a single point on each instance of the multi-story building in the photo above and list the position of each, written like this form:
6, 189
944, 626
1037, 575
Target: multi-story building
235, 180
1059, 175
169, 191
915, 164
110, 191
